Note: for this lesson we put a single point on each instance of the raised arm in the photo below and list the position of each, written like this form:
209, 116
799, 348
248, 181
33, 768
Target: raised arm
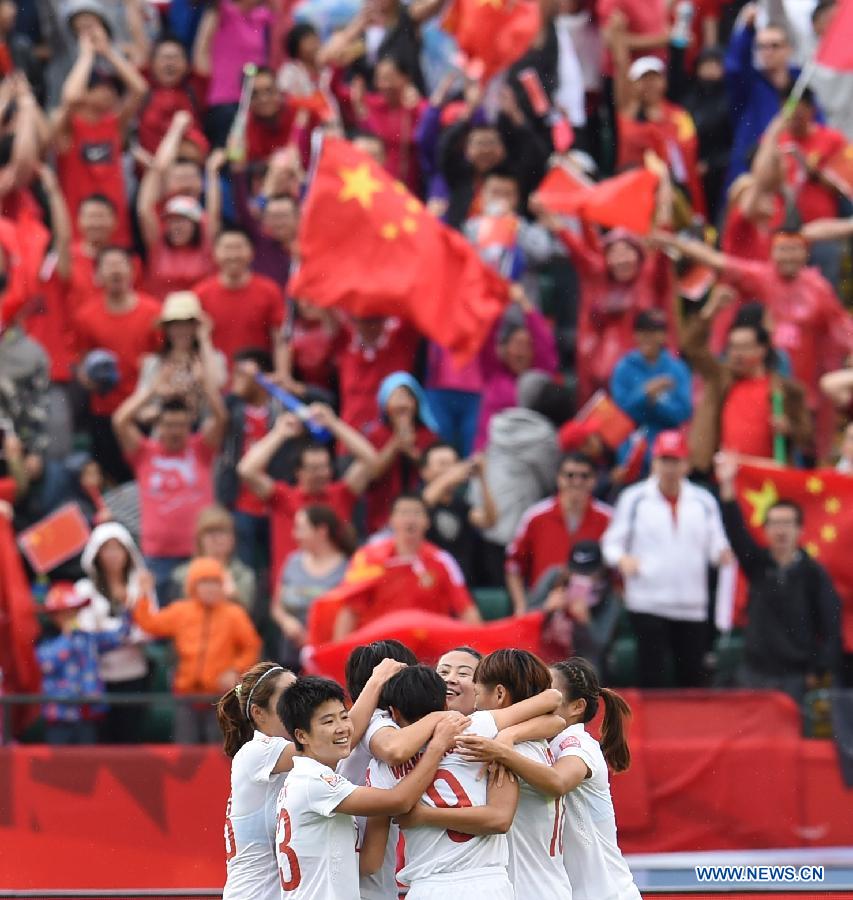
398, 745
136, 86
828, 229
202, 62
369, 801
368, 700
213, 190
213, 429
252, 468
127, 432
749, 554
74, 88
541, 705
59, 219
838, 386
693, 249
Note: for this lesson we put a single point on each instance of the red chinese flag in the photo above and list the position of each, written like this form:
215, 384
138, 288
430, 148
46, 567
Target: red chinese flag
18, 628
55, 539
614, 426
369, 247
496, 33
826, 497
836, 49
626, 201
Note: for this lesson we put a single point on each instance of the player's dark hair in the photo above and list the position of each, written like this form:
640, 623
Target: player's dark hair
297, 705
234, 718
414, 692
366, 657
464, 649
786, 504
580, 459
522, 673
578, 681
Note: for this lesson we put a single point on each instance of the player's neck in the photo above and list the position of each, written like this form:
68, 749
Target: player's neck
331, 760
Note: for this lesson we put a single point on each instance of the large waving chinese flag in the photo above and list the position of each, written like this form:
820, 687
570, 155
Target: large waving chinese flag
493, 33
366, 245
836, 48
826, 498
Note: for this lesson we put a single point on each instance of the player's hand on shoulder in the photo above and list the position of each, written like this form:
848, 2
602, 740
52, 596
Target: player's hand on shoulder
447, 730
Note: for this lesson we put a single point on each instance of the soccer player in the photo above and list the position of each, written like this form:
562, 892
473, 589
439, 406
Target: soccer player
315, 831
256, 741
440, 861
456, 669
535, 839
386, 741
594, 864
262, 756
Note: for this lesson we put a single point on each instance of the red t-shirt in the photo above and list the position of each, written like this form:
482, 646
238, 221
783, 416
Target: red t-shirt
313, 352
130, 335
159, 109
255, 426
82, 281
543, 538
178, 268
403, 474
47, 320
361, 370
809, 321
263, 138
92, 165
242, 317
173, 489
430, 581
815, 200
745, 425
287, 500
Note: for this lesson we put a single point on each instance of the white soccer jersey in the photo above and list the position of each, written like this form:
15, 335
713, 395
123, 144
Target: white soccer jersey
250, 820
434, 851
382, 885
315, 846
536, 837
591, 854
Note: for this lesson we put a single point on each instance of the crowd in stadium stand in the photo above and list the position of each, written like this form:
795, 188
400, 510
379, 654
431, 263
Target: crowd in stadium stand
149, 227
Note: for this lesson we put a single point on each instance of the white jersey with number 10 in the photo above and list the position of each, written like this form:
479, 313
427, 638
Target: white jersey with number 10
434, 851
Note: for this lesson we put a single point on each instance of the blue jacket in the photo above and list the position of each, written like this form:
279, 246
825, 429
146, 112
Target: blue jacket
668, 410
753, 100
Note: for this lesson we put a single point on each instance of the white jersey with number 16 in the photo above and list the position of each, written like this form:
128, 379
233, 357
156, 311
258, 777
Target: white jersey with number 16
250, 820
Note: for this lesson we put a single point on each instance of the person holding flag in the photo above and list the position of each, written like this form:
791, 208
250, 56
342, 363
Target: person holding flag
793, 637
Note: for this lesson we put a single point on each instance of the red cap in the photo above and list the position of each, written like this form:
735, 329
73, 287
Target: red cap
671, 444
62, 597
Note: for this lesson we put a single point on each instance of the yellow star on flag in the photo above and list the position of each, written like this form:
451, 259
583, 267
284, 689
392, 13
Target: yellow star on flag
828, 533
359, 184
832, 506
812, 548
389, 231
814, 485
761, 501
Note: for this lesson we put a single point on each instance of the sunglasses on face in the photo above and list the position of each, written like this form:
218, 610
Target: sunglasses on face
770, 45
576, 476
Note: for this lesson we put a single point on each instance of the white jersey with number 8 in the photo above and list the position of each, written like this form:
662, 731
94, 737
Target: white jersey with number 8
434, 851
591, 854
315, 846
250, 820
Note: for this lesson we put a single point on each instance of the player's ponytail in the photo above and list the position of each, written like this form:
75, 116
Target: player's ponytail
614, 741
232, 711
580, 682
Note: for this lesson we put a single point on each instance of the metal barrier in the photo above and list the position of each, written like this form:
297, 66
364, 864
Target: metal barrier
8, 701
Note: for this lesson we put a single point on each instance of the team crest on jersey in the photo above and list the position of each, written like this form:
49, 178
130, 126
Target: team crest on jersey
570, 741
332, 779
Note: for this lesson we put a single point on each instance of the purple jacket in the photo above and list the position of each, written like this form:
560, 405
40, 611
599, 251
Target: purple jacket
499, 384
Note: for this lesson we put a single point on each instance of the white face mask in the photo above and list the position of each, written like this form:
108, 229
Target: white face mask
496, 208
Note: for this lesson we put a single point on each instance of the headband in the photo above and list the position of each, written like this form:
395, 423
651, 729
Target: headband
249, 700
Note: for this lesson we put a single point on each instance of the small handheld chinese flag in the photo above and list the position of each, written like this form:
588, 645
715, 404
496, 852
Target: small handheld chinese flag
368, 246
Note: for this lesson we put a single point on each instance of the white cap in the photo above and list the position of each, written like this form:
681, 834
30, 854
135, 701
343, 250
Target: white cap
188, 207
644, 65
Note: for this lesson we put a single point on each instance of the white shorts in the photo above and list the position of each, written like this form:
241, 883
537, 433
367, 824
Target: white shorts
476, 884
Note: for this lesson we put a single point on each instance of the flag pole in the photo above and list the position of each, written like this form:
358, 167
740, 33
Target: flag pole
800, 86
